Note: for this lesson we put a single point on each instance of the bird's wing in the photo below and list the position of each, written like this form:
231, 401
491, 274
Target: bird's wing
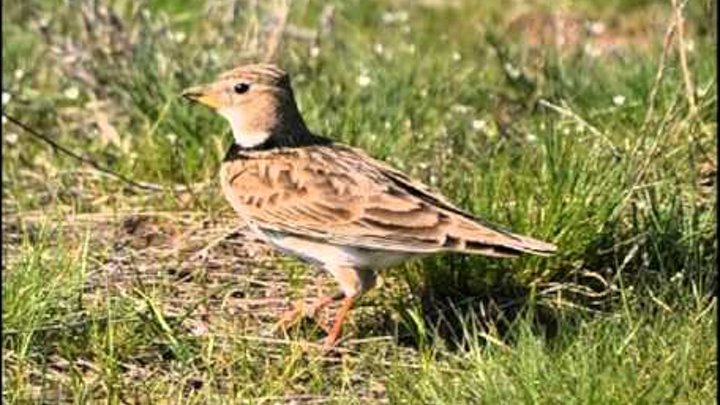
339, 195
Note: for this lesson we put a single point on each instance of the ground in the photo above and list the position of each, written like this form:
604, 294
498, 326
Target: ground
585, 124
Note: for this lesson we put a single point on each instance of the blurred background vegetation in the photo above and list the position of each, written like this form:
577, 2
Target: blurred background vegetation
587, 123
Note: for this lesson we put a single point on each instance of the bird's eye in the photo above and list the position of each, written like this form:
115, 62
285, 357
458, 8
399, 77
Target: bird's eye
241, 88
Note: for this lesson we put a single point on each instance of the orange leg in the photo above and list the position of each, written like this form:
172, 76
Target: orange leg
337, 325
294, 315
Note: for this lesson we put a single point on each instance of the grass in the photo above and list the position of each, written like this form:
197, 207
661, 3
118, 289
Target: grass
105, 299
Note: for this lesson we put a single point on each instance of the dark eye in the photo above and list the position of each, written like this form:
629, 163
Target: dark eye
241, 88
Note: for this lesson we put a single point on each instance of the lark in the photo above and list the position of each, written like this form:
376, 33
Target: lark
330, 204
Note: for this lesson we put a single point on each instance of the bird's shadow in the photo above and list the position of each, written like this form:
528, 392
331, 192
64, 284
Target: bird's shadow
455, 303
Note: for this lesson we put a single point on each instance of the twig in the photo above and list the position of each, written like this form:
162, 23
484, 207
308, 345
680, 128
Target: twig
497, 342
175, 216
202, 254
296, 399
660, 71
682, 51
327, 20
57, 147
305, 345
707, 309
70, 325
373, 339
568, 113
658, 301
300, 33
275, 37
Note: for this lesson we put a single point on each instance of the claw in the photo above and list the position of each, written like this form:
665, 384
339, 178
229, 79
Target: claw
290, 318
299, 311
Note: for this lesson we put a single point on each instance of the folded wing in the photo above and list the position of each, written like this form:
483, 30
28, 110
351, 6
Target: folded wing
339, 195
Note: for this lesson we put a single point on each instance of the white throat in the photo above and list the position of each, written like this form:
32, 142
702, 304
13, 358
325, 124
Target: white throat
243, 137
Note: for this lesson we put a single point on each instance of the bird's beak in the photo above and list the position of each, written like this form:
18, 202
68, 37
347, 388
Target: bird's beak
202, 95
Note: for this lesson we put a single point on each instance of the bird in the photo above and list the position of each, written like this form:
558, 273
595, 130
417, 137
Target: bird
329, 204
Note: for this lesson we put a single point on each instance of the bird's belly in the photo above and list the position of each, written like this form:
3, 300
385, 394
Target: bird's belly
330, 255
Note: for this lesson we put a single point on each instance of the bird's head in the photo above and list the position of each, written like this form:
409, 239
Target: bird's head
256, 99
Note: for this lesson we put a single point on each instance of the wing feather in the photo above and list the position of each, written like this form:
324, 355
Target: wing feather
339, 195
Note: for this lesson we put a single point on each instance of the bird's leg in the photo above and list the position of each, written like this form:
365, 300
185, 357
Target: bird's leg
354, 282
299, 311
337, 325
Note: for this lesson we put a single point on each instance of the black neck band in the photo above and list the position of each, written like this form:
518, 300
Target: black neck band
272, 143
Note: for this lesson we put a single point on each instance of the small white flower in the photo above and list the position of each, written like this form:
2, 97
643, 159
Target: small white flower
390, 17
531, 137
388, 125
363, 80
460, 108
4, 120
314, 51
19, 74
596, 27
172, 138
511, 71
619, 100
690, 45
72, 93
179, 36
6, 97
11, 138
479, 125
456, 56
378, 48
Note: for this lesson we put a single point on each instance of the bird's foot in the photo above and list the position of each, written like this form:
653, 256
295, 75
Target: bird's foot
301, 311
290, 317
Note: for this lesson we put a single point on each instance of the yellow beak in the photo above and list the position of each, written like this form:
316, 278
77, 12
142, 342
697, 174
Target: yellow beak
202, 95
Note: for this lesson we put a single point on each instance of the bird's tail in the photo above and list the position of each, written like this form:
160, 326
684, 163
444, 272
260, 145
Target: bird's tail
490, 240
